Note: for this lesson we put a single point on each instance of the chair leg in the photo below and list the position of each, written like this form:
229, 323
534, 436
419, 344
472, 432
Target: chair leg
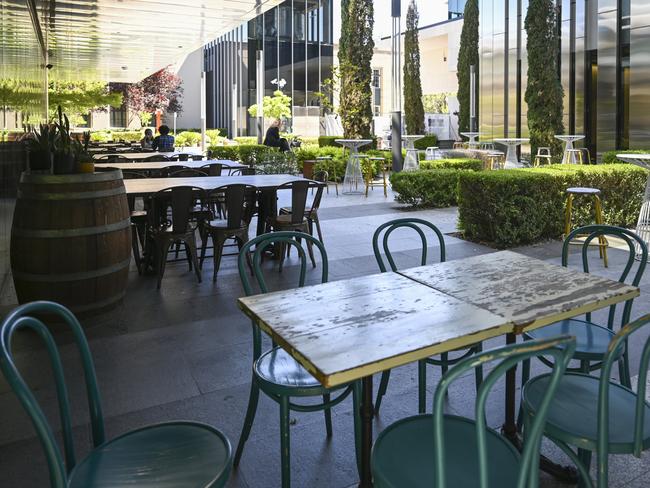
285, 450
188, 255
135, 247
422, 386
383, 386
328, 416
624, 369
190, 248
162, 260
318, 229
525, 375
567, 215
217, 252
585, 458
204, 245
478, 372
310, 250
253, 399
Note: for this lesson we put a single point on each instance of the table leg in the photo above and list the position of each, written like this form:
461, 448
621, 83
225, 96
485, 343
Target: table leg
568, 158
353, 179
511, 157
568, 474
367, 413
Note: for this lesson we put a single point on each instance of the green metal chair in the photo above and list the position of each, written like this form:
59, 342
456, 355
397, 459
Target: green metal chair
445, 361
596, 414
439, 450
179, 454
275, 372
593, 339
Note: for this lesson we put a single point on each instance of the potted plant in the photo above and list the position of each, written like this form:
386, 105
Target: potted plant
81, 155
64, 158
40, 146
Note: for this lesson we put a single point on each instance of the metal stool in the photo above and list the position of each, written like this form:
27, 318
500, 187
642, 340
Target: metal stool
487, 146
459, 145
371, 183
598, 210
543, 153
576, 155
495, 160
432, 153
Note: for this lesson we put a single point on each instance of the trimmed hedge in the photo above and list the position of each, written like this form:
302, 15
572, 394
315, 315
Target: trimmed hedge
250, 154
460, 163
510, 208
328, 141
427, 188
427, 141
609, 157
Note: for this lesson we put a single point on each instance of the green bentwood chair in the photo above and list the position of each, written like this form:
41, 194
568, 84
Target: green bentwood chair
275, 372
595, 413
593, 339
442, 451
445, 361
178, 454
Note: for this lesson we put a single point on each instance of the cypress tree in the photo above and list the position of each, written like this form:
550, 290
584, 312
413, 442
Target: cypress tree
467, 56
413, 108
544, 93
355, 54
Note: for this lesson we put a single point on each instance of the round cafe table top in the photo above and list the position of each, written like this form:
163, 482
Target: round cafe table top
353, 142
569, 137
512, 140
470, 134
642, 160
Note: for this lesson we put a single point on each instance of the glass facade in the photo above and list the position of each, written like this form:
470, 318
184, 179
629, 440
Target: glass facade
604, 68
296, 45
456, 8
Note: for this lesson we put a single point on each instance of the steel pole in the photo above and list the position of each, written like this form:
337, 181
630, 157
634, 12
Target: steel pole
396, 87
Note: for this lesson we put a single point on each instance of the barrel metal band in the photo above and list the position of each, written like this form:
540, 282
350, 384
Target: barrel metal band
80, 232
98, 305
75, 195
83, 275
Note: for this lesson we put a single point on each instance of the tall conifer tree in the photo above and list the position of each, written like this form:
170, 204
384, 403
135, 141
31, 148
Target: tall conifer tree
413, 107
467, 56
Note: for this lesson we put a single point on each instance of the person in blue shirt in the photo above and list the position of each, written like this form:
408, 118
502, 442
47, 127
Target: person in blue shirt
164, 142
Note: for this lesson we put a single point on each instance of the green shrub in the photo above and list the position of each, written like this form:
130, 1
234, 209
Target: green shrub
609, 157
100, 136
250, 154
429, 140
187, 138
246, 140
127, 135
230, 153
213, 136
460, 163
426, 188
515, 207
327, 141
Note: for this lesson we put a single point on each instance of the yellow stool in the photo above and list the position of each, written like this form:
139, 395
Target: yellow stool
577, 154
371, 183
459, 145
495, 160
598, 208
543, 153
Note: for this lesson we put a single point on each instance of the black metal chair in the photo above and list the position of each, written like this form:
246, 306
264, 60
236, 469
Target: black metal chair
311, 212
239, 203
212, 169
138, 220
172, 221
196, 157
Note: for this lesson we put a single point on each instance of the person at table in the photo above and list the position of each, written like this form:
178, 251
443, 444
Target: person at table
273, 139
164, 142
147, 141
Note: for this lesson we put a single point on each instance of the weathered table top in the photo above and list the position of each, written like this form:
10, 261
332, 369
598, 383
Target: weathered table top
346, 330
148, 186
525, 291
158, 165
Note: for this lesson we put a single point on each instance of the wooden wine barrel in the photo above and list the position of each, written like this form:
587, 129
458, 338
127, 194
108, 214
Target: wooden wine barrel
71, 240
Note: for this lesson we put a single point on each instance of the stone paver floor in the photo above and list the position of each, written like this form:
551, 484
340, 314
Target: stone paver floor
184, 352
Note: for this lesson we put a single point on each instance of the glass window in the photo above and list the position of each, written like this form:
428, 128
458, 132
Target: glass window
118, 116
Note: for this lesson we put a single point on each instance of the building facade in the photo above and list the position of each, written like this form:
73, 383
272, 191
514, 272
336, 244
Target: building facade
604, 69
295, 41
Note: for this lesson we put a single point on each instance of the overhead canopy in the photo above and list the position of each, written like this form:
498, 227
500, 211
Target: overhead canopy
124, 40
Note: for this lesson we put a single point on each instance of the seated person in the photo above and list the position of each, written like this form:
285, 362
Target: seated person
164, 142
147, 141
273, 138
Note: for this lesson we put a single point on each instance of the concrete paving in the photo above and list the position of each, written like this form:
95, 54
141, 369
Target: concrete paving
184, 352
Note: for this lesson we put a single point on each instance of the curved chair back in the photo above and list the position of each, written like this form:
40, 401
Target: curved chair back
182, 200
636, 247
155, 158
237, 199
299, 189
186, 173
183, 157
31, 316
616, 346
212, 169
315, 203
411, 223
261, 243
560, 348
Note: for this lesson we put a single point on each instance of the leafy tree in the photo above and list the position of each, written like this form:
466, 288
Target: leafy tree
413, 108
355, 54
276, 107
77, 98
330, 88
544, 93
467, 56
436, 103
159, 91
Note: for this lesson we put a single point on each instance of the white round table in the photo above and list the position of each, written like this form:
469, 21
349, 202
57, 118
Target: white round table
353, 181
569, 158
511, 155
472, 138
412, 159
643, 224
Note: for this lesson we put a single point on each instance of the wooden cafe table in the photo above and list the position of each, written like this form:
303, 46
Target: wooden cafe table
348, 330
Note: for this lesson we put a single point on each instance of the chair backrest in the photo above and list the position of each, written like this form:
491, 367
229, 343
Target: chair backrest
155, 158
183, 201
115, 158
196, 157
238, 199
315, 203
616, 346
183, 157
412, 223
186, 173
636, 248
560, 349
212, 169
31, 316
299, 189
261, 243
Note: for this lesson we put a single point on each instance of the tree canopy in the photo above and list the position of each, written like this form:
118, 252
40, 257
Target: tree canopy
413, 108
276, 107
78, 97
